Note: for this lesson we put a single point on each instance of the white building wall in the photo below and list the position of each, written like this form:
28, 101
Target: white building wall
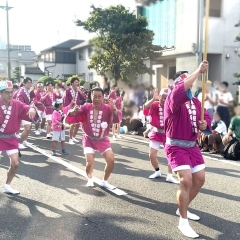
89, 75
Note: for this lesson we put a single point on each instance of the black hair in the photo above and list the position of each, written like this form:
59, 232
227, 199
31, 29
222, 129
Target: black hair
118, 92
177, 74
97, 89
225, 83
27, 79
15, 86
74, 79
105, 79
57, 105
48, 83
21, 85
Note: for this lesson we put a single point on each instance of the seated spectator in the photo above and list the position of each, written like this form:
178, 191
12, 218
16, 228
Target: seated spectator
234, 128
210, 142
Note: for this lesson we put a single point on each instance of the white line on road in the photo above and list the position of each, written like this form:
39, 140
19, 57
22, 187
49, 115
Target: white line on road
211, 158
116, 191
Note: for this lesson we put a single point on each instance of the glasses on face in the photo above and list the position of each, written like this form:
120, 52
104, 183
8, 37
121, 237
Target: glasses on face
8, 92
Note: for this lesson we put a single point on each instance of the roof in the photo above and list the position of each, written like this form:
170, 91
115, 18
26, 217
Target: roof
81, 45
26, 55
33, 70
65, 45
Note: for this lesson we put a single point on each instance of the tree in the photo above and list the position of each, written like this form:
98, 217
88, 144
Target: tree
237, 39
122, 44
16, 74
47, 79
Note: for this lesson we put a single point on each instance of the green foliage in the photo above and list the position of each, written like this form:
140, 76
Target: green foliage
237, 75
46, 79
16, 74
81, 81
122, 44
2, 78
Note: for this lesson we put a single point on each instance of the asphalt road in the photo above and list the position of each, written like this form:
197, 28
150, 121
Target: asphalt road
56, 204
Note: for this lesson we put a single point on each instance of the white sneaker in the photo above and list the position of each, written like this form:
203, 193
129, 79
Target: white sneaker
71, 142
188, 231
26, 143
171, 179
190, 216
157, 174
90, 183
43, 130
114, 138
7, 189
119, 137
107, 185
37, 133
21, 146
75, 140
49, 135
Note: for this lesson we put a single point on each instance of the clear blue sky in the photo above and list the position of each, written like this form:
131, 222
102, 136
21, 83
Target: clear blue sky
42, 23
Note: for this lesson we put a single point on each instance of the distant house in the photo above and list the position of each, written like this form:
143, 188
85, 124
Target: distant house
58, 61
18, 58
34, 72
84, 52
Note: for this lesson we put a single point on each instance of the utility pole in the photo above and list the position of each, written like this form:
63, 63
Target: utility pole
7, 8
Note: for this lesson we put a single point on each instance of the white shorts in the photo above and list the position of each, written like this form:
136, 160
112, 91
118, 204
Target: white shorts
10, 152
58, 135
155, 145
23, 122
49, 117
42, 114
187, 167
89, 150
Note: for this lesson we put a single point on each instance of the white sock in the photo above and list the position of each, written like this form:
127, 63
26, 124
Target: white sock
169, 175
183, 221
7, 185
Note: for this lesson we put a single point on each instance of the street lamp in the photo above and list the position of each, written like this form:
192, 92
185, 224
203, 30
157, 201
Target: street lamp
7, 8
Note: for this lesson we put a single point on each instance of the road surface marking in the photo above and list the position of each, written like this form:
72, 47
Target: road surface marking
116, 191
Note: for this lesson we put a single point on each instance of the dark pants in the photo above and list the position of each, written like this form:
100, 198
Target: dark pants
224, 114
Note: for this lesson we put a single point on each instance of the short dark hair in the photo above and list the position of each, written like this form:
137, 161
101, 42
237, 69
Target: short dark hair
56, 105
48, 83
225, 83
118, 92
74, 79
97, 89
177, 74
27, 79
15, 86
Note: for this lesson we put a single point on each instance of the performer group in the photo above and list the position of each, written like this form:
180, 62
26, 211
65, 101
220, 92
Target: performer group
167, 111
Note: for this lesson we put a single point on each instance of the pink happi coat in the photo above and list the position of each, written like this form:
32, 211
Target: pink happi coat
22, 96
118, 104
84, 115
38, 101
154, 120
48, 102
67, 98
57, 118
178, 125
112, 95
19, 112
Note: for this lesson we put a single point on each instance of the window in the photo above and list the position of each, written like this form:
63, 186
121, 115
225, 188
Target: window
162, 21
215, 8
81, 54
90, 51
66, 57
2, 67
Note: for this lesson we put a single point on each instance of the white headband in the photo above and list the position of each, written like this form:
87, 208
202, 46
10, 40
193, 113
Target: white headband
5, 84
164, 91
